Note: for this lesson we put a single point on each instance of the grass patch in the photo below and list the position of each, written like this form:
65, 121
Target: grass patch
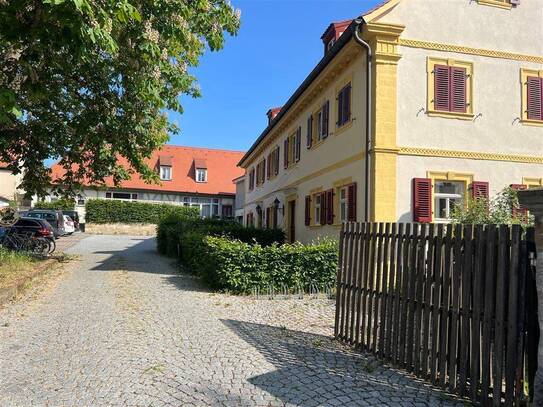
15, 266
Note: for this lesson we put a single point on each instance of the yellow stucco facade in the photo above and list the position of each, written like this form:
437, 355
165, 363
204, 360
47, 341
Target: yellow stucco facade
410, 137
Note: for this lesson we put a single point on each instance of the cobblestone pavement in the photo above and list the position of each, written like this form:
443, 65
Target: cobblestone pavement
120, 328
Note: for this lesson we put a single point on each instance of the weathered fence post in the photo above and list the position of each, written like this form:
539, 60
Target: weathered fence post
532, 199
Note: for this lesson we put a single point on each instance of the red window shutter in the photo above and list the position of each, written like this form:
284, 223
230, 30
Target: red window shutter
276, 158
458, 90
309, 141
298, 144
422, 200
285, 153
347, 104
307, 210
268, 167
325, 119
263, 170
351, 202
479, 189
323, 208
340, 108
535, 98
519, 211
330, 206
441, 87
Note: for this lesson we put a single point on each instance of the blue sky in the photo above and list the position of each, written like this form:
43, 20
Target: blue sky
276, 48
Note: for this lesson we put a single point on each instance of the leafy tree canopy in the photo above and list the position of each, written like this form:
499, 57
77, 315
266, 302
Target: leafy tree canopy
87, 81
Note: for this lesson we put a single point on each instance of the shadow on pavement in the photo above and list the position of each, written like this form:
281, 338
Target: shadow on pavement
138, 258
315, 370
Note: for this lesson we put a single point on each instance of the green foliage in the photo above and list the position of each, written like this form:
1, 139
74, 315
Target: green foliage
229, 256
60, 204
175, 232
241, 267
502, 209
87, 82
114, 211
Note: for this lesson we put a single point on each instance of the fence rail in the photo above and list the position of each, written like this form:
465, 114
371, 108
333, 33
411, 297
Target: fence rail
453, 304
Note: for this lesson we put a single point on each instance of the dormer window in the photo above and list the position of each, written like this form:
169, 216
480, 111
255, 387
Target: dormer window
201, 175
200, 170
165, 167
332, 34
165, 173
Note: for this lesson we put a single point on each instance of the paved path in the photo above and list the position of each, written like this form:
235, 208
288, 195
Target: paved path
120, 328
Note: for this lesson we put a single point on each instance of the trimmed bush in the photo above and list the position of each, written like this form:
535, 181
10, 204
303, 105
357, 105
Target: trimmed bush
241, 267
231, 257
188, 234
114, 211
60, 204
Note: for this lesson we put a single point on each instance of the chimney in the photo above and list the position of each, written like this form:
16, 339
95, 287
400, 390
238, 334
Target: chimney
274, 111
332, 34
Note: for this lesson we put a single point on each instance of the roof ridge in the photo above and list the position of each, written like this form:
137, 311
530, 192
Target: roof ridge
202, 148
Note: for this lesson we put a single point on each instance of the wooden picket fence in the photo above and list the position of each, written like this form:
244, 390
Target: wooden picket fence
452, 304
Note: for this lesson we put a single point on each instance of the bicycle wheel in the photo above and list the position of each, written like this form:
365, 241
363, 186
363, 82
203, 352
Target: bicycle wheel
52, 245
39, 246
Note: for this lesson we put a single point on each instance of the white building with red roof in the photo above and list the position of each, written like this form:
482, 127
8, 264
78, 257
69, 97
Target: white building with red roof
189, 176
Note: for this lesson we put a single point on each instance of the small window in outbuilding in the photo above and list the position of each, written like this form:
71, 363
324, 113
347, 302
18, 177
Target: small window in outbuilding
201, 175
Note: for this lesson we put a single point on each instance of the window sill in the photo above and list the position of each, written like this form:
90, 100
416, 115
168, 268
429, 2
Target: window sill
496, 3
450, 115
343, 127
317, 144
531, 122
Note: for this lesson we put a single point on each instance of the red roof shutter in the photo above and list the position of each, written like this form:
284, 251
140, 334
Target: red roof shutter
330, 206
285, 153
535, 98
479, 189
422, 200
458, 90
351, 202
309, 140
441, 87
325, 119
307, 210
298, 144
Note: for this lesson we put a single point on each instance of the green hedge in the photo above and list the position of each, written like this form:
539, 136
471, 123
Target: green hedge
229, 256
60, 204
114, 211
186, 234
241, 267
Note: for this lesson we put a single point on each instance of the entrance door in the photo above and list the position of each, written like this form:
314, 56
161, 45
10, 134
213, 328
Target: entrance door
291, 221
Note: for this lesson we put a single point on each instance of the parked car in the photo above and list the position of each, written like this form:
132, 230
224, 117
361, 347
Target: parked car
43, 236
69, 227
54, 217
39, 227
74, 216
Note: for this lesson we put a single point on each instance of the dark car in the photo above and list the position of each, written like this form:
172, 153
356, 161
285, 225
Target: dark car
54, 217
38, 227
74, 216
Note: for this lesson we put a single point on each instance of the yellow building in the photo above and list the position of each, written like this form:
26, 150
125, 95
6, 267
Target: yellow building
453, 106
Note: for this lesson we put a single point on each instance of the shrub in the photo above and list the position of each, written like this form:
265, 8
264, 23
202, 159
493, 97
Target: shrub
60, 204
175, 231
114, 211
241, 267
502, 209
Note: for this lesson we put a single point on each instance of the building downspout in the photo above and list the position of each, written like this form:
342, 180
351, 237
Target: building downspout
359, 22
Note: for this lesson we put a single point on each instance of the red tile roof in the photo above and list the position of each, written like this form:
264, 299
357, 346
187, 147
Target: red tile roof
221, 170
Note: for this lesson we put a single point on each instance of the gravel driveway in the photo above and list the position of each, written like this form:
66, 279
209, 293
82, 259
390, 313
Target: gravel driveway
121, 328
